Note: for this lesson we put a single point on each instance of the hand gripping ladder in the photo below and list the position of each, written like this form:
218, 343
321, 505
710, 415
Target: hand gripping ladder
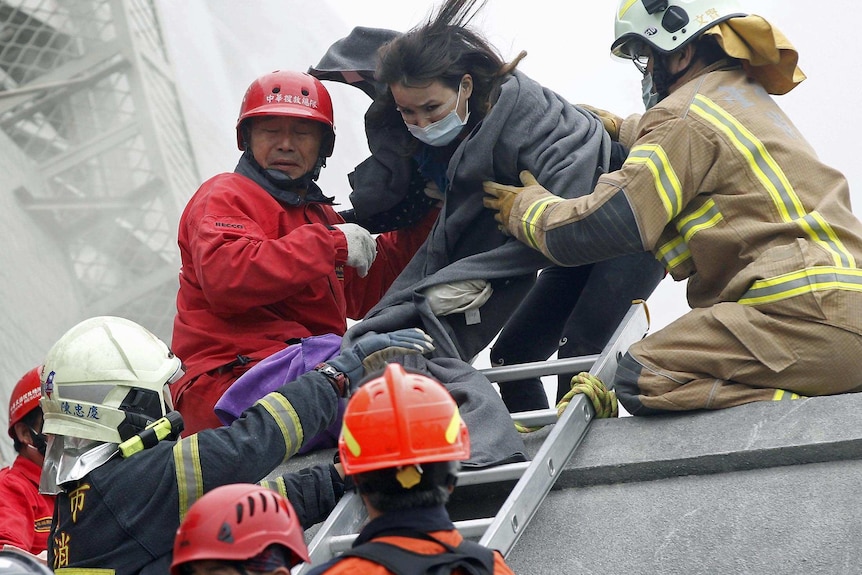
535, 478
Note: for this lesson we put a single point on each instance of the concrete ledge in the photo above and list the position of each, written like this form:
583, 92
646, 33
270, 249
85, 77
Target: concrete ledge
761, 488
752, 436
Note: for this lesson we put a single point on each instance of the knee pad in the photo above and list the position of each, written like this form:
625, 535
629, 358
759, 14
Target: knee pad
626, 384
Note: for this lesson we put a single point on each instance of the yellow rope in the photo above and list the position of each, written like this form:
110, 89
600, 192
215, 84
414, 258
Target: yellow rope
527, 429
604, 401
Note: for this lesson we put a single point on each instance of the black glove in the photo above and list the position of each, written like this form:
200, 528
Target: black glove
373, 350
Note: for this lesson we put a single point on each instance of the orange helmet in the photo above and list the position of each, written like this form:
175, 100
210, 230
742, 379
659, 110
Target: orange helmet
401, 418
235, 523
25, 397
291, 94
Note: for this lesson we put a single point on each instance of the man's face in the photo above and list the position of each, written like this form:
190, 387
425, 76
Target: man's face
289, 145
27, 436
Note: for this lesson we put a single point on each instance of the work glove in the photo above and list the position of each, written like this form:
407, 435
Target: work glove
458, 297
433, 191
361, 247
501, 198
373, 350
610, 121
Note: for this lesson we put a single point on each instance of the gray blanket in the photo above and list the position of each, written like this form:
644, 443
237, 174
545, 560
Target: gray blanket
529, 127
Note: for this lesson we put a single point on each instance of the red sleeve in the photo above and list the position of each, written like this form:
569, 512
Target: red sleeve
16, 513
394, 251
239, 261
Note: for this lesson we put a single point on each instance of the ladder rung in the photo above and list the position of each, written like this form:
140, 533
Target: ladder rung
505, 472
341, 543
473, 528
539, 368
469, 529
536, 417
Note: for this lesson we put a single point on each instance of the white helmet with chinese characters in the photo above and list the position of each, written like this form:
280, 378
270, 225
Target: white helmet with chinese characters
104, 381
665, 26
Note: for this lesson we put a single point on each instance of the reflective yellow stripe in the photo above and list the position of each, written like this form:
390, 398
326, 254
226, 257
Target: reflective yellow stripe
532, 215
704, 217
781, 394
288, 421
83, 571
827, 236
673, 253
772, 178
276, 485
190, 485
667, 184
809, 280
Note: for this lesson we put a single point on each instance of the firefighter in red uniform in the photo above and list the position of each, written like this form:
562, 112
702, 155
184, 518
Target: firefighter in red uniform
25, 514
266, 260
239, 529
402, 440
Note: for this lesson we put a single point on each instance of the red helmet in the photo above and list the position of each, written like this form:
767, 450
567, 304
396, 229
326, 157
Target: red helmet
292, 94
236, 522
401, 418
25, 397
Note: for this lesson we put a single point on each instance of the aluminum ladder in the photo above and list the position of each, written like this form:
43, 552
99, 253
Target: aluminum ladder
535, 478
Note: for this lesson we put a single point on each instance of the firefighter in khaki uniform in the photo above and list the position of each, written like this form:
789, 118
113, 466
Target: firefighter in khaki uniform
723, 189
123, 481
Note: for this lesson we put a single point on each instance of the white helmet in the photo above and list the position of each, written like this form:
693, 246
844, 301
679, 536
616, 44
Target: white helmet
666, 26
106, 379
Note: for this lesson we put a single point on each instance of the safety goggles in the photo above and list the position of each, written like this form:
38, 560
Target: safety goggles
166, 388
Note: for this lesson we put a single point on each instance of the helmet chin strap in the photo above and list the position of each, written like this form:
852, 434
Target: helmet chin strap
663, 79
40, 442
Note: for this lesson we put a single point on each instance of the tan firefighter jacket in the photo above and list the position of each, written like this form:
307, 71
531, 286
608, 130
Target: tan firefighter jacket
724, 190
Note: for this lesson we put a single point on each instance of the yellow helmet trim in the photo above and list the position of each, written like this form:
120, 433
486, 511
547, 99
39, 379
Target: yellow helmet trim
350, 441
625, 7
453, 430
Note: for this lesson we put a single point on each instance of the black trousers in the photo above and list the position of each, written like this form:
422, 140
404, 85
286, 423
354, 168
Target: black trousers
571, 311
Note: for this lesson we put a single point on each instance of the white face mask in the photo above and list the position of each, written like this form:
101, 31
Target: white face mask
650, 97
444, 130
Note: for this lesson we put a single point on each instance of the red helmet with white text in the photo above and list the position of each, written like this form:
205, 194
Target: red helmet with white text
25, 397
290, 94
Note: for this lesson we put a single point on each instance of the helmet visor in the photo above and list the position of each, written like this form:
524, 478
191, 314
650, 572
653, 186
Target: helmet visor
166, 388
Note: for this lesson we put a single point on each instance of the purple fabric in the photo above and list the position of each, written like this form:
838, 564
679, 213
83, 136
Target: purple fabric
277, 370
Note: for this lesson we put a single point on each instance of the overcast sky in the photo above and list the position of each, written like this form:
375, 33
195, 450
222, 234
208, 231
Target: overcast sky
568, 51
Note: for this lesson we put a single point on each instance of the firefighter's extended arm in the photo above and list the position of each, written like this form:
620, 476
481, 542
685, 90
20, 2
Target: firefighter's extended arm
168, 427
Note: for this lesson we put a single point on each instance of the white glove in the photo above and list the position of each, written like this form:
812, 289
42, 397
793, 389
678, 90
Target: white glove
361, 247
458, 297
432, 191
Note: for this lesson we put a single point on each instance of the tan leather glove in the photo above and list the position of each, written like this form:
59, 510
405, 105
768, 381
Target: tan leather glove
610, 121
501, 198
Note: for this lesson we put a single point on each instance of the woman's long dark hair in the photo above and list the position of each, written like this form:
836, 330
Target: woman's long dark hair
443, 48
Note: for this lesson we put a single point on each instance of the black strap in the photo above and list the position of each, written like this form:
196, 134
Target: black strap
473, 558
